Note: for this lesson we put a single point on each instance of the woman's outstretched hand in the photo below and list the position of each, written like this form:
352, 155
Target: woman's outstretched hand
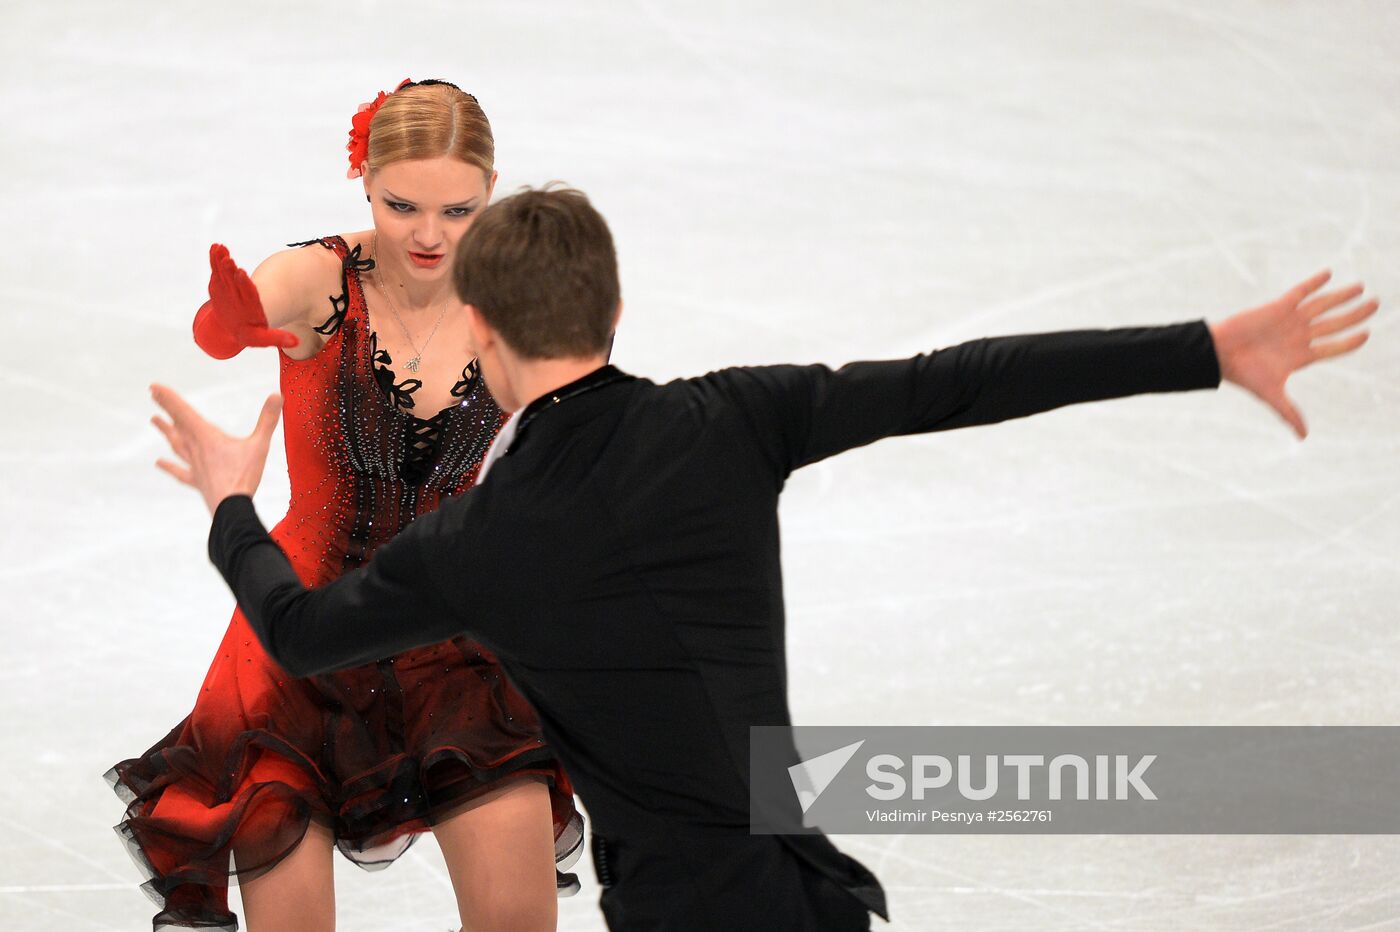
1260, 348
210, 460
233, 317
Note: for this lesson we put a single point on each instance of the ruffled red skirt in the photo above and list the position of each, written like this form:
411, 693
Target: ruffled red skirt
378, 752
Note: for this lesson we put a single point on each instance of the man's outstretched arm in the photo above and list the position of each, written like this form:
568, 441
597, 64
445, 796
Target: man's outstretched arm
803, 414
390, 605
381, 609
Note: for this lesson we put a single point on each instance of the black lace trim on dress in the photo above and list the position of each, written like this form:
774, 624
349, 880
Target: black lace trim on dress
424, 437
340, 305
400, 393
470, 373
352, 260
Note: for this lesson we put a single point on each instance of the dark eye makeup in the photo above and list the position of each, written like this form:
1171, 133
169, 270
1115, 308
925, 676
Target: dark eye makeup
402, 207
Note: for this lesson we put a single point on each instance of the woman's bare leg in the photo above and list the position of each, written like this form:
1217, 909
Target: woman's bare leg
500, 854
298, 895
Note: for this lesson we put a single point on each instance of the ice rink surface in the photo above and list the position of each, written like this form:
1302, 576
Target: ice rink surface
808, 181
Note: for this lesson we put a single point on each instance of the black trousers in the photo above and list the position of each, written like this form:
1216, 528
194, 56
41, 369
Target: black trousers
736, 883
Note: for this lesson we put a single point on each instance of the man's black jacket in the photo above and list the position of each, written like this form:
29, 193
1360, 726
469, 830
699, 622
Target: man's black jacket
622, 561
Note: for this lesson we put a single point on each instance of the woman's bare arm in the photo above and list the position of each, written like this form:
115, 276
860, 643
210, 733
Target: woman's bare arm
295, 286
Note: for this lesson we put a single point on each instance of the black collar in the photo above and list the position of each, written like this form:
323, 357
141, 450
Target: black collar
603, 375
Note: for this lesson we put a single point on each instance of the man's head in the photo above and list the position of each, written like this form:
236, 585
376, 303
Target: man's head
538, 270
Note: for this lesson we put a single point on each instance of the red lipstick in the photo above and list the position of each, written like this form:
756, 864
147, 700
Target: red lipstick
426, 260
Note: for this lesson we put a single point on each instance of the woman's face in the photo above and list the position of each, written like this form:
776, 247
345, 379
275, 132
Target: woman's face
421, 209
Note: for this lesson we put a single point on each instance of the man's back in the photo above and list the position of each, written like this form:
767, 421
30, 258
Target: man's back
622, 560
651, 651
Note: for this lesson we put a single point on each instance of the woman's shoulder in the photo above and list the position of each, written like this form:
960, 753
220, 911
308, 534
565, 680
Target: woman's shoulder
332, 250
313, 263
295, 281
299, 260
337, 242
359, 241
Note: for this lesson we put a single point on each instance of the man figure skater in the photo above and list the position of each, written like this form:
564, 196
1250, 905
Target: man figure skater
620, 552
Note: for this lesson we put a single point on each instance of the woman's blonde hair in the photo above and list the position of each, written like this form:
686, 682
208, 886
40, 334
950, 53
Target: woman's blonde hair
428, 120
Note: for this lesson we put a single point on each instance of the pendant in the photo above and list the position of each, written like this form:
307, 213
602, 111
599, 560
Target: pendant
412, 364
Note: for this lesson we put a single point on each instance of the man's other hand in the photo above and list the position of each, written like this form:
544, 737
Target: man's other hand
209, 459
1260, 348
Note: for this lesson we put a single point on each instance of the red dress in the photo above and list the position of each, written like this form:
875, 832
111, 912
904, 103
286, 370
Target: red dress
378, 752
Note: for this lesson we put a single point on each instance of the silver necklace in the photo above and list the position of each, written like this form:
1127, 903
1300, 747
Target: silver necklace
412, 364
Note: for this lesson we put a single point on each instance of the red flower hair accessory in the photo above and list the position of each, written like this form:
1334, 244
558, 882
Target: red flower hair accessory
358, 146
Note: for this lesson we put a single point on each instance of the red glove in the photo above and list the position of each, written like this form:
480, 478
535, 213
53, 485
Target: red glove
233, 317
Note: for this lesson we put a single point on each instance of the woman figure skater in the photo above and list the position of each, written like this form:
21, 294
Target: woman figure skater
385, 415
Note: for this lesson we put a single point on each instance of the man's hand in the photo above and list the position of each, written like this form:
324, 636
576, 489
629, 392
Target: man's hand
1260, 348
213, 462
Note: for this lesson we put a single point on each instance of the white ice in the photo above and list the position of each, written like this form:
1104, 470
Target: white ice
789, 181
